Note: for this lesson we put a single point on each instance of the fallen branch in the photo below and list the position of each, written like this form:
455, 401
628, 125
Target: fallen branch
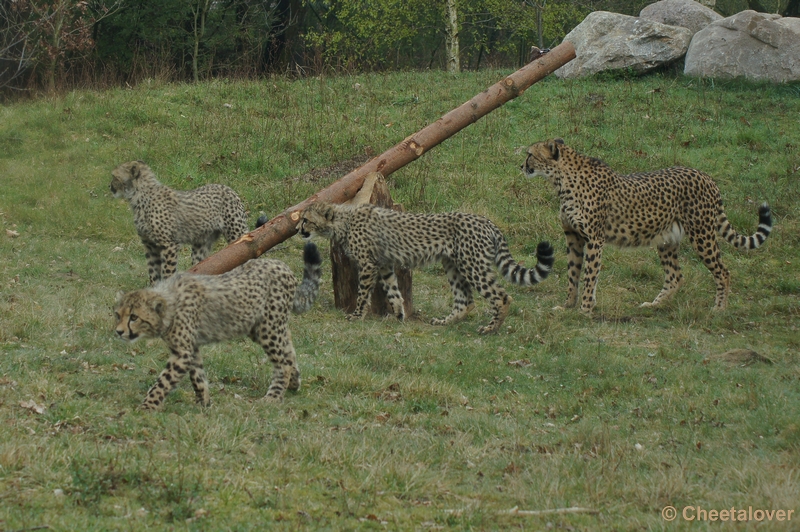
516, 511
282, 226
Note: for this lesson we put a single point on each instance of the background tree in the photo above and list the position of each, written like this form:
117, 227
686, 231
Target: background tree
451, 36
39, 37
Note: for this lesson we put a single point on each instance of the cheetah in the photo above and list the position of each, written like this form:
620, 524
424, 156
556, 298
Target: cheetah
600, 206
469, 247
166, 219
188, 311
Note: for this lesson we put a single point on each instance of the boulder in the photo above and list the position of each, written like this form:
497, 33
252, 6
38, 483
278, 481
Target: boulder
610, 41
751, 45
683, 13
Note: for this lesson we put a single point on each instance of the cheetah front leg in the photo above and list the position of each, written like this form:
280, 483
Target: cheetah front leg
180, 360
462, 294
393, 296
152, 252
575, 245
169, 260
673, 278
591, 270
198, 377
367, 277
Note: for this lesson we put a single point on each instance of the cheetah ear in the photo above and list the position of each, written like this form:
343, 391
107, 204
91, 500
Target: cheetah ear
119, 297
559, 141
159, 306
136, 171
555, 151
314, 216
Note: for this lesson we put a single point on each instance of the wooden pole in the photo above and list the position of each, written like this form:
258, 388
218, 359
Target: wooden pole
411, 148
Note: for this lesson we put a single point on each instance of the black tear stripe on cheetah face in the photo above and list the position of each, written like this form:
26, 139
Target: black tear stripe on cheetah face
600, 206
469, 247
188, 311
166, 219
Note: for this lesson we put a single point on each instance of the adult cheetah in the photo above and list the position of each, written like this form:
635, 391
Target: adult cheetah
600, 206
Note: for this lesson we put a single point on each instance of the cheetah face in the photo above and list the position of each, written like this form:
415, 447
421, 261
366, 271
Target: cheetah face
313, 223
139, 314
123, 179
543, 159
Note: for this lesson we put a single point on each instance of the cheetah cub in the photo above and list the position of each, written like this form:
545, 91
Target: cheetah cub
166, 219
188, 311
469, 247
600, 206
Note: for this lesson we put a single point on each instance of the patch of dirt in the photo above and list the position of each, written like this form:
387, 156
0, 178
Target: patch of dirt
740, 357
336, 170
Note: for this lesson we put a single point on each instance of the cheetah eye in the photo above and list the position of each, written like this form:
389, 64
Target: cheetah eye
133, 317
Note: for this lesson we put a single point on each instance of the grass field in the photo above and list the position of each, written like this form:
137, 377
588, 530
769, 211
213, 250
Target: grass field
401, 426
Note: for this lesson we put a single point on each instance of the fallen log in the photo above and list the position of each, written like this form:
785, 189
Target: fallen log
411, 148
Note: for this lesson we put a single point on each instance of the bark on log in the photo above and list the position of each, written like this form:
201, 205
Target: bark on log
282, 226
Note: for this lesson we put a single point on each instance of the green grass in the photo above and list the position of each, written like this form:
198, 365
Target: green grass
400, 426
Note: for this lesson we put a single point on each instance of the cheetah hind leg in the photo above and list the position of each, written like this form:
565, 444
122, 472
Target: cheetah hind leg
502, 308
462, 295
294, 379
673, 278
201, 250
277, 344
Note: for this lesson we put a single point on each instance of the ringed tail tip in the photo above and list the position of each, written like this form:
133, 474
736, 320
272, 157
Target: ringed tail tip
311, 254
545, 253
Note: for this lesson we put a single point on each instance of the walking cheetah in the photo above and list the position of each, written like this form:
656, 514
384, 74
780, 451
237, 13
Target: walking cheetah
166, 219
600, 206
469, 246
188, 311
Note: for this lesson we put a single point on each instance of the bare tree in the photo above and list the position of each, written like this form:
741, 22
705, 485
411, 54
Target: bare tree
451, 36
39, 34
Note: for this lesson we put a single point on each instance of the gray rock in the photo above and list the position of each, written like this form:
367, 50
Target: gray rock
752, 45
609, 41
684, 13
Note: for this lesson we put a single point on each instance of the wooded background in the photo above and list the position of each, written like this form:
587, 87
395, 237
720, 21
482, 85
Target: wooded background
56, 45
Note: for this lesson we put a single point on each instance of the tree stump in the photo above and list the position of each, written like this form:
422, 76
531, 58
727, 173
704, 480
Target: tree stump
345, 271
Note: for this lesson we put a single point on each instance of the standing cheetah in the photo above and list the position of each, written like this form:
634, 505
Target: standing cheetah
600, 206
188, 311
166, 219
469, 246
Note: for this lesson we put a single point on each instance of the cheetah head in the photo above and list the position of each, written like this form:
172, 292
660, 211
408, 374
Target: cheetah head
544, 160
317, 219
125, 176
140, 314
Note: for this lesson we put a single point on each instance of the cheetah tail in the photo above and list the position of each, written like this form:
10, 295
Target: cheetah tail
307, 292
518, 274
753, 241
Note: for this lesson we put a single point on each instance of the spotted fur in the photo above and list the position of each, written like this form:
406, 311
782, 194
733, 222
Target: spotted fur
600, 206
166, 219
469, 247
188, 311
